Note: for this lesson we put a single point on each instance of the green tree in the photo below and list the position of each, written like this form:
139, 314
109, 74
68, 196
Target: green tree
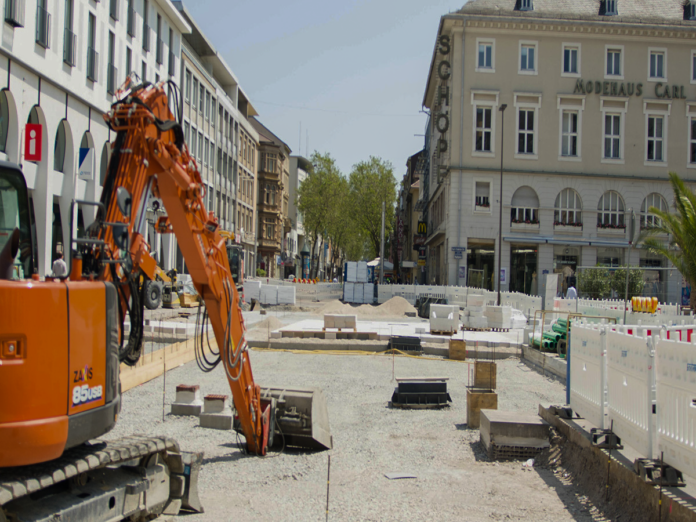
594, 283
317, 199
681, 227
636, 282
372, 182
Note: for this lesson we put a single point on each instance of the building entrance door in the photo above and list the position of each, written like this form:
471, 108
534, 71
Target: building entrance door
480, 260
523, 272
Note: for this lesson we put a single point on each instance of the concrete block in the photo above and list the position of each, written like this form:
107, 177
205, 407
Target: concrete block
276, 335
477, 400
506, 428
330, 335
217, 421
215, 403
485, 375
384, 337
187, 409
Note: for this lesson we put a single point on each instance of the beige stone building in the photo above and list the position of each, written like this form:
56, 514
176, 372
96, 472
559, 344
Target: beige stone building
273, 199
600, 104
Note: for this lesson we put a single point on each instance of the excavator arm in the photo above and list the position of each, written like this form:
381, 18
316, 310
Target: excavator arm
150, 158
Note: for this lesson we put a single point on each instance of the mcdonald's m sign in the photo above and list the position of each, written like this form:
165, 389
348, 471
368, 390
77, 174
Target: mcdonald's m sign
422, 228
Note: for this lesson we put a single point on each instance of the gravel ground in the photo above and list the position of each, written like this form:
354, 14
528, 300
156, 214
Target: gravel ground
454, 479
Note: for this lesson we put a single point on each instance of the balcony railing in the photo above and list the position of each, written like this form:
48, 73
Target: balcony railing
69, 48
92, 64
160, 51
113, 9
130, 21
111, 75
172, 63
43, 27
524, 216
14, 12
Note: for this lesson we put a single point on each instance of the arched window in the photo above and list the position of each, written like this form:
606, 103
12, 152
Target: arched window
653, 200
525, 206
568, 208
4, 120
106, 152
611, 211
59, 148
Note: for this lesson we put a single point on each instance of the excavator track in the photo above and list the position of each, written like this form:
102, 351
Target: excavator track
135, 476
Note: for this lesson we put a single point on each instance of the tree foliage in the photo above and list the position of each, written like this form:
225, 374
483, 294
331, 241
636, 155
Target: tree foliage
604, 282
681, 227
372, 182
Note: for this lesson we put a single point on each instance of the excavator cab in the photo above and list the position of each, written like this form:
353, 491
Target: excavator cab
16, 259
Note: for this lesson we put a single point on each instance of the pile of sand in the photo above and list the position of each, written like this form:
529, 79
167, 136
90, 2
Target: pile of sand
272, 323
395, 307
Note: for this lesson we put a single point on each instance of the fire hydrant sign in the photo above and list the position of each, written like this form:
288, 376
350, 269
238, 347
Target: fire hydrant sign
33, 136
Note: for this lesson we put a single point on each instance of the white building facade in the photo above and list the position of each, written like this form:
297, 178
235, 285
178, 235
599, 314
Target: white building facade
60, 65
220, 137
600, 101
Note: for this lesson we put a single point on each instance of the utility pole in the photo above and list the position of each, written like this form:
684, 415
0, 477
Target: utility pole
500, 217
381, 248
631, 234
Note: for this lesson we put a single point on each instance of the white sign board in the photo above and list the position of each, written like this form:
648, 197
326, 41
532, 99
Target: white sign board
85, 164
551, 290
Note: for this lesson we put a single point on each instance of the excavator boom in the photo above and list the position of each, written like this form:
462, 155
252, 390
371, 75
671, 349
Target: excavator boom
150, 158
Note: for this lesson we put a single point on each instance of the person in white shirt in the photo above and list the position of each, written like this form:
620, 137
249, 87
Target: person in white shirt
60, 269
572, 293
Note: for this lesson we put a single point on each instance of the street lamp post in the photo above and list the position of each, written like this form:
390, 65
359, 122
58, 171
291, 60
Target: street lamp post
500, 218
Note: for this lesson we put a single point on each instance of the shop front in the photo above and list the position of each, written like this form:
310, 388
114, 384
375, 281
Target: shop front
524, 269
480, 262
566, 260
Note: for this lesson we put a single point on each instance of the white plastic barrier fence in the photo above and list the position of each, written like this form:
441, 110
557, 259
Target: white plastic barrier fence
588, 372
630, 377
676, 410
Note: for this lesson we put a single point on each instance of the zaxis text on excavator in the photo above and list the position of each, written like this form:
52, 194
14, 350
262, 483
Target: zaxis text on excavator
60, 379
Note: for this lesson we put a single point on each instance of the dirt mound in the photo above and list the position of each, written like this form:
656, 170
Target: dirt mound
395, 307
272, 323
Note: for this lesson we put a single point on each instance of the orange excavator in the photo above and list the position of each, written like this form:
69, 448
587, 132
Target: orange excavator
62, 339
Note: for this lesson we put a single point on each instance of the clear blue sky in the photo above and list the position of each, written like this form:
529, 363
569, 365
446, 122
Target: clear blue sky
352, 73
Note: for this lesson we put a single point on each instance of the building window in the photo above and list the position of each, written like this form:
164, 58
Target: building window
111, 70
612, 136
610, 257
146, 25
193, 142
526, 5
690, 10
571, 60
482, 196
486, 56
525, 132
207, 105
656, 200
525, 206
92, 54
692, 140
113, 9
569, 138
129, 58
206, 158
187, 85
194, 105
187, 132
143, 71
658, 65
213, 111
201, 99
4, 120
568, 208
200, 146
655, 146
69, 38
527, 64
484, 129
614, 62
610, 211
159, 44
59, 148
270, 162
610, 8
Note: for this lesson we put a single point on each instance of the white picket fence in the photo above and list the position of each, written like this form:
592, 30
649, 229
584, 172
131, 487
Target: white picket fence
644, 380
667, 314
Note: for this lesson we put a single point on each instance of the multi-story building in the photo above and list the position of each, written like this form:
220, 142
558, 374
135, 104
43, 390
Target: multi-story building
300, 167
596, 101
273, 199
220, 137
62, 63
406, 229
